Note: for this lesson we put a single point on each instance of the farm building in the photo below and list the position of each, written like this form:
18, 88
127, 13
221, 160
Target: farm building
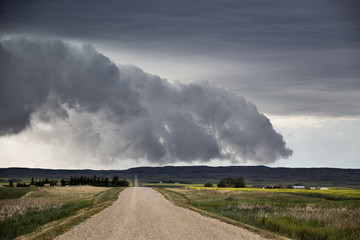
298, 187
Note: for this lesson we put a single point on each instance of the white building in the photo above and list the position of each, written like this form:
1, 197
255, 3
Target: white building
298, 187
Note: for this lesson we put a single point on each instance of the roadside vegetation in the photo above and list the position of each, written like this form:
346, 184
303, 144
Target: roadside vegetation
10, 193
35, 208
298, 214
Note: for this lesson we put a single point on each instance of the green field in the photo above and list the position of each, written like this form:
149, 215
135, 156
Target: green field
27, 211
170, 185
298, 214
347, 194
10, 193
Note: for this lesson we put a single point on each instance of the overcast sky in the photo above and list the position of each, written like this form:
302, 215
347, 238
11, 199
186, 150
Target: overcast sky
296, 62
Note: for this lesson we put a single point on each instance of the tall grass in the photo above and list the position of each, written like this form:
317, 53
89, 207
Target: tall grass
293, 214
307, 229
10, 207
28, 222
13, 192
46, 205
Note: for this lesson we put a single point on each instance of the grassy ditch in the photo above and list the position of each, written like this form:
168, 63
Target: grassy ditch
70, 206
297, 215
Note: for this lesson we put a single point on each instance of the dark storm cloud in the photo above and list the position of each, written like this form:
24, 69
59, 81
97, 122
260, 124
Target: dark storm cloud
121, 112
209, 25
33, 74
306, 48
316, 83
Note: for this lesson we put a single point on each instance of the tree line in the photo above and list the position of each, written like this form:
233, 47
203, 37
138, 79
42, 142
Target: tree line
38, 183
229, 183
96, 181
82, 180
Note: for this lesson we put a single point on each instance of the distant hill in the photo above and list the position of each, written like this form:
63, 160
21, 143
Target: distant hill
202, 174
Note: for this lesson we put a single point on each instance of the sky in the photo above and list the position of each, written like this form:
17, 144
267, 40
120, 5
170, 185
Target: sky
118, 84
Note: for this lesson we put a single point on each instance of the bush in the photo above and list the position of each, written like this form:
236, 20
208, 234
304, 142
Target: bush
116, 182
208, 185
232, 182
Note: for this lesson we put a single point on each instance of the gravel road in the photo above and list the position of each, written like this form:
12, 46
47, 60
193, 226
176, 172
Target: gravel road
143, 213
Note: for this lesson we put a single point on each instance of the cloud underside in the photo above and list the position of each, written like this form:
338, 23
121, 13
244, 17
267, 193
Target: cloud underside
120, 112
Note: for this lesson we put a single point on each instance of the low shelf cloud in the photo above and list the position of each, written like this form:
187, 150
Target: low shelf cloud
115, 112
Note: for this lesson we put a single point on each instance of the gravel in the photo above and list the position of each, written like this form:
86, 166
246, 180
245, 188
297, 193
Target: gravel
143, 213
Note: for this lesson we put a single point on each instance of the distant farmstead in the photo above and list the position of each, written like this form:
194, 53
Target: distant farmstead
298, 187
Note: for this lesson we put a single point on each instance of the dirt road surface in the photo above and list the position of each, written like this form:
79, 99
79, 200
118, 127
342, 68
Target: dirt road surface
142, 213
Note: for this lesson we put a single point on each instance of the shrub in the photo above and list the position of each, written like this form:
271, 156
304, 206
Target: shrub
116, 182
232, 182
208, 185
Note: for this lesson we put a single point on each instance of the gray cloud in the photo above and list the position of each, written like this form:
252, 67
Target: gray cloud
212, 24
120, 112
51, 72
289, 57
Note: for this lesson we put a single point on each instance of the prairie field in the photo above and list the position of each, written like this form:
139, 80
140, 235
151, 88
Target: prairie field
25, 210
347, 194
9, 193
171, 185
297, 214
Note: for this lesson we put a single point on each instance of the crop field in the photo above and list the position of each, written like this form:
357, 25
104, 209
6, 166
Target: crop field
329, 194
9, 193
298, 214
26, 210
171, 185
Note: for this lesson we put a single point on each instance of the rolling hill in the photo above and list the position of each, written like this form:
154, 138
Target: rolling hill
201, 174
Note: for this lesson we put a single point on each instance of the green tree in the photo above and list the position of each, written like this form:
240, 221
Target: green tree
239, 182
208, 185
115, 181
232, 182
123, 183
106, 182
72, 182
221, 183
11, 183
